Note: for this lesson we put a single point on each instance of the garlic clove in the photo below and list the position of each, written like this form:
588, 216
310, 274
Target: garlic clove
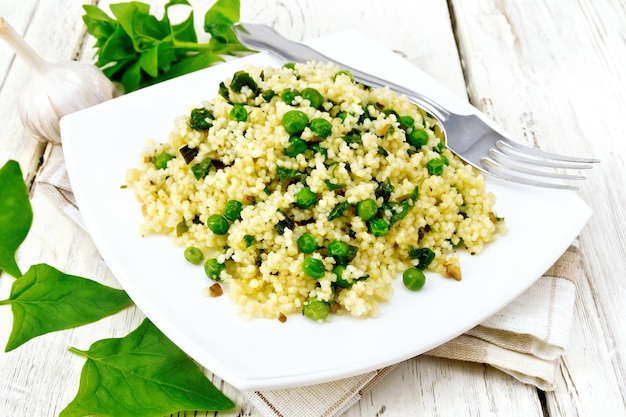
61, 89
54, 90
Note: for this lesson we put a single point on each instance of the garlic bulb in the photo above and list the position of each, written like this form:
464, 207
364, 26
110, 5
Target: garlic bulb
54, 90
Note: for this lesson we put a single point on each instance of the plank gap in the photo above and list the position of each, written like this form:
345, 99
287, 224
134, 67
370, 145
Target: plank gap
459, 52
544, 403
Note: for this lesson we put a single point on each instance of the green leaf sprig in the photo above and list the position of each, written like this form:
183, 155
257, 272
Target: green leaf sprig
137, 49
152, 372
16, 216
45, 300
142, 374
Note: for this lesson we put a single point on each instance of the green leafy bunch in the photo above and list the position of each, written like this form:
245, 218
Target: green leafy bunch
138, 49
141, 374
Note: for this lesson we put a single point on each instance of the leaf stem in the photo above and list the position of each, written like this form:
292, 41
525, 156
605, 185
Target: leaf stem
78, 351
21, 48
192, 45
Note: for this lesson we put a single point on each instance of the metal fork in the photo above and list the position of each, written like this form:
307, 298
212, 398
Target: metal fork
469, 136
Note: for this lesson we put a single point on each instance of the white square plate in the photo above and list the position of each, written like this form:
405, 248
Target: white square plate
102, 142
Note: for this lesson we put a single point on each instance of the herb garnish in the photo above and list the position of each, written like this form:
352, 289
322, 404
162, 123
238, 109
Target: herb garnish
137, 49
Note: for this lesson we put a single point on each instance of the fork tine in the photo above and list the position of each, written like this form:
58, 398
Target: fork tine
498, 170
513, 163
508, 145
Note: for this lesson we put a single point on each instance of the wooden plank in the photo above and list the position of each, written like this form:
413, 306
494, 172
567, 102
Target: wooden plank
549, 73
19, 18
438, 387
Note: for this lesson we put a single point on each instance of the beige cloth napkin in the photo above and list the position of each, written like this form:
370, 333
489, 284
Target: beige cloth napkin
525, 339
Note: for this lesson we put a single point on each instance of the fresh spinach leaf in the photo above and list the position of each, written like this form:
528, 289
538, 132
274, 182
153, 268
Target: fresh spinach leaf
46, 300
142, 374
190, 64
218, 21
16, 216
137, 49
99, 24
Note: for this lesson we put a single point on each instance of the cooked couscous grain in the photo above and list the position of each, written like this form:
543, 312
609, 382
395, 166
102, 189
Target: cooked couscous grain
282, 153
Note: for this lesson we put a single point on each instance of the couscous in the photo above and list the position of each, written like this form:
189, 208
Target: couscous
302, 190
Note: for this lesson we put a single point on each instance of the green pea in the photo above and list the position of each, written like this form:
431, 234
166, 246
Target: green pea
342, 252
161, 160
194, 255
435, 166
232, 210
413, 279
289, 65
321, 127
418, 137
313, 268
315, 309
294, 121
288, 95
339, 280
213, 269
296, 146
379, 227
406, 121
315, 97
217, 224
367, 209
338, 248
239, 113
307, 243
343, 72
305, 198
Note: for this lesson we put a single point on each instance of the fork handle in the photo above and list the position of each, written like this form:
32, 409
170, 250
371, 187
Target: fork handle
264, 38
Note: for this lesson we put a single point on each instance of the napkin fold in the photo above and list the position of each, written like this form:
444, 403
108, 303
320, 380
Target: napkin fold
526, 339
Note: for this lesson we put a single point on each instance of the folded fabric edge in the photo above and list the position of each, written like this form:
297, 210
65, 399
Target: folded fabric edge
319, 400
